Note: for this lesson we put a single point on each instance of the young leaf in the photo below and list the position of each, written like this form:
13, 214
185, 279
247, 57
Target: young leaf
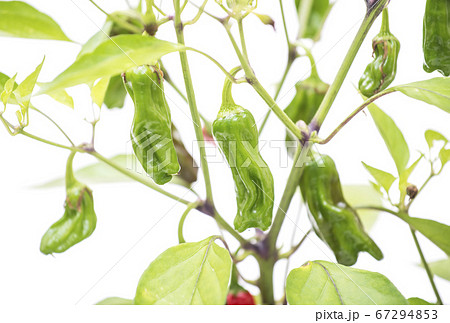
325, 283
98, 91
9, 86
188, 274
444, 156
441, 268
435, 91
112, 57
115, 301
115, 93
392, 136
358, 195
19, 19
436, 232
383, 178
60, 96
96, 39
418, 301
431, 136
404, 176
25, 89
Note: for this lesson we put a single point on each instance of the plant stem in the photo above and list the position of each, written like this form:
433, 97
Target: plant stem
192, 102
224, 225
137, 177
214, 61
198, 15
291, 187
354, 113
277, 93
346, 64
265, 281
118, 21
45, 141
52, 121
251, 78
189, 208
242, 37
427, 267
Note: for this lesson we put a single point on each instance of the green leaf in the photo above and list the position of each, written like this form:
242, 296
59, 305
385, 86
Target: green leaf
441, 268
19, 19
436, 232
404, 176
115, 301
358, 195
431, 136
418, 301
115, 93
60, 96
7, 88
392, 136
444, 156
383, 178
25, 89
96, 39
325, 283
434, 91
188, 274
101, 173
98, 91
110, 58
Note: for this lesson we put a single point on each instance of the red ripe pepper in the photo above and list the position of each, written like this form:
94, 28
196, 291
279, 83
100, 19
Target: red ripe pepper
242, 297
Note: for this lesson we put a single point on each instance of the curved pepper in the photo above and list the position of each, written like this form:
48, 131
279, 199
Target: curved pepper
237, 136
381, 72
79, 219
333, 220
308, 97
151, 130
318, 14
436, 37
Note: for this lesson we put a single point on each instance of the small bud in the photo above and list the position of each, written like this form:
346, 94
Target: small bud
265, 19
412, 191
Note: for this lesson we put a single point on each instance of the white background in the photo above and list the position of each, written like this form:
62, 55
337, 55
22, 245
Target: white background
135, 224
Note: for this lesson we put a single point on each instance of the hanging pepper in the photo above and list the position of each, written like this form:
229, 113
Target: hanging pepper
237, 136
333, 219
381, 72
436, 37
308, 97
151, 130
79, 219
318, 13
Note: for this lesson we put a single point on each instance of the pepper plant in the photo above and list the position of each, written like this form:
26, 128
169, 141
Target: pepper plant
126, 58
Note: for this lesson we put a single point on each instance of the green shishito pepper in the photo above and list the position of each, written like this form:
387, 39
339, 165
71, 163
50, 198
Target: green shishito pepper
436, 37
381, 72
318, 13
151, 130
237, 136
79, 219
308, 97
333, 220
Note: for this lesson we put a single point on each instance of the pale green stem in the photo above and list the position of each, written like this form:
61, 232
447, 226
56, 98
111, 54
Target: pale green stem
192, 101
346, 64
189, 208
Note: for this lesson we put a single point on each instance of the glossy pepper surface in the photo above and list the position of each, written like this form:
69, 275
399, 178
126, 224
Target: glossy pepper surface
151, 130
333, 220
380, 73
436, 36
308, 97
79, 219
237, 136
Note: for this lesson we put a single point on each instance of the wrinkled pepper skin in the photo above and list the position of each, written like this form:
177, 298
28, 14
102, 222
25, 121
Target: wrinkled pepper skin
380, 73
79, 219
151, 130
333, 220
237, 136
436, 37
